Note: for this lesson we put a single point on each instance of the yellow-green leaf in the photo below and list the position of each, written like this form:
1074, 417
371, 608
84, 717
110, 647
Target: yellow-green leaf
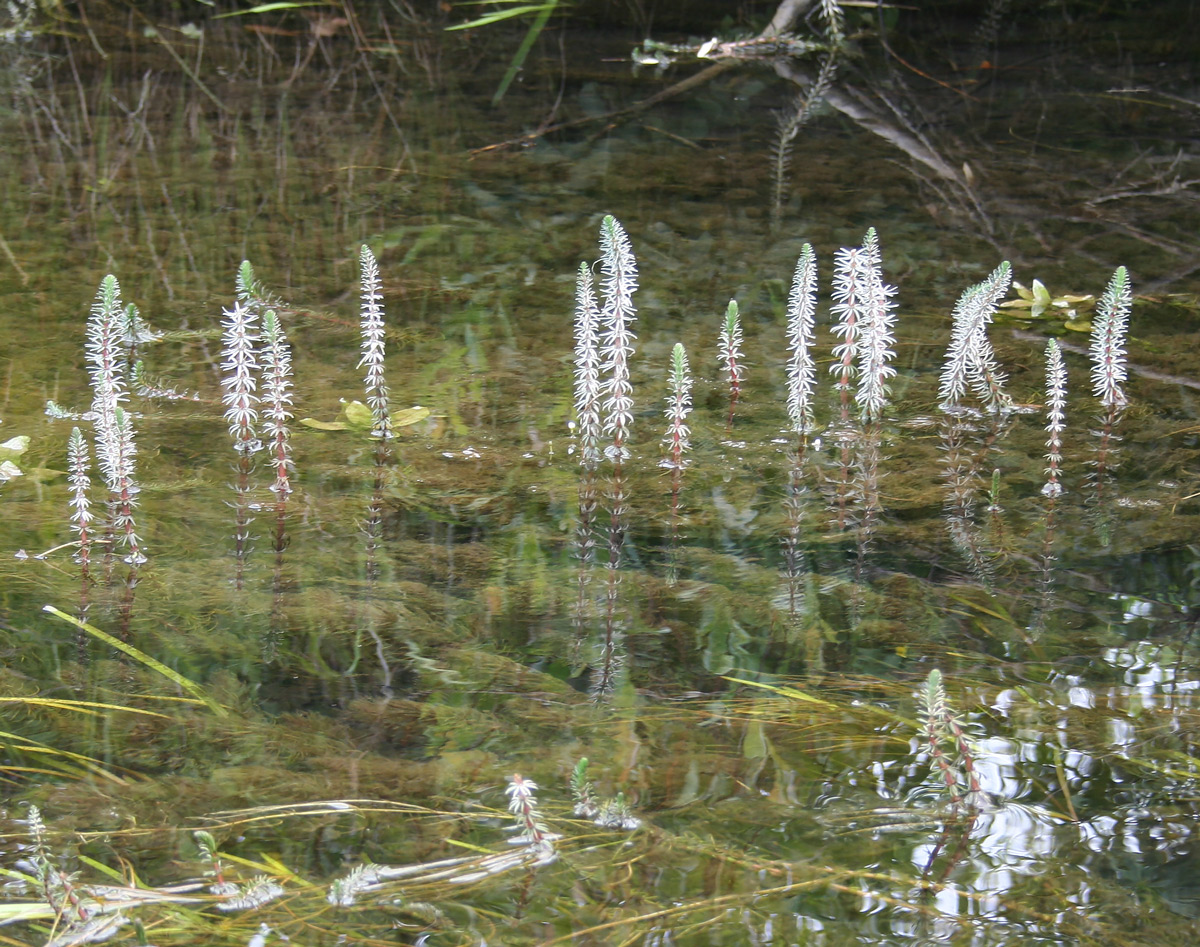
357, 415
406, 417
325, 425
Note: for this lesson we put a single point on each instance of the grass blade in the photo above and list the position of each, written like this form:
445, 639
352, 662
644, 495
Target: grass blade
141, 657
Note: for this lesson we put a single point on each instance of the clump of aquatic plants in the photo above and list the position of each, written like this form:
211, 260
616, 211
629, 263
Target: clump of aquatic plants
844, 737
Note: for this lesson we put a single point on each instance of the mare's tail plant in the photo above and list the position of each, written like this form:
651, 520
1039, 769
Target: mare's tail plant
1056, 417
78, 916
876, 336
1109, 372
588, 433
587, 370
277, 415
611, 813
240, 367
729, 354
277, 402
951, 755
863, 307
850, 296
532, 831
371, 318
1056, 422
79, 463
115, 448
258, 891
677, 440
617, 312
970, 359
801, 323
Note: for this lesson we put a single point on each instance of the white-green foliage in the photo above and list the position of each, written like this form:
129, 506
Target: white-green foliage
851, 298
239, 378
970, 359
876, 336
371, 321
1056, 416
277, 399
679, 405
729, 347
79, 462
115, 446
619, 283
801, 328
587, 368
1108, 341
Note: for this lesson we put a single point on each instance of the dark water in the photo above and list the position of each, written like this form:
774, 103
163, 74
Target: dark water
376, 658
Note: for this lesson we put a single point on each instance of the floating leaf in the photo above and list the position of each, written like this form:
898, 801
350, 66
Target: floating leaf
325, 425
14, 447
406, 417
1037, 299
356, 416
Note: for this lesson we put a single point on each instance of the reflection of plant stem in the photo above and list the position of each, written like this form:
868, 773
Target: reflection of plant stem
867, 464
961, 473
789, 123
373, 539
793, 560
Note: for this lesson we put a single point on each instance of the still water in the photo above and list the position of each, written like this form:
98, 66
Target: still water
353, 676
